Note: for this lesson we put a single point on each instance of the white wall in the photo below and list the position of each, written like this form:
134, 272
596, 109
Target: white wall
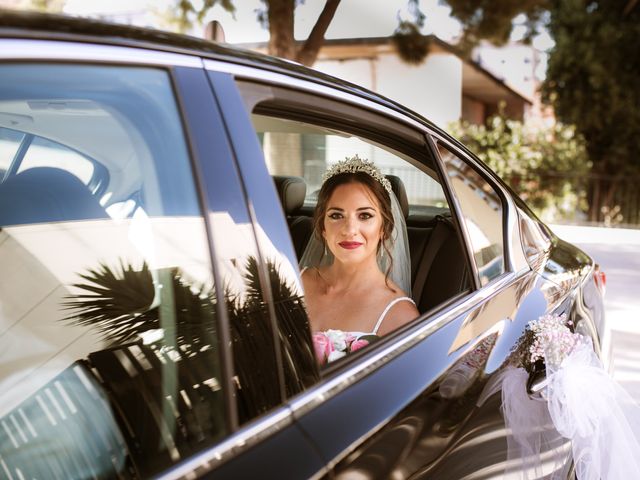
432, 89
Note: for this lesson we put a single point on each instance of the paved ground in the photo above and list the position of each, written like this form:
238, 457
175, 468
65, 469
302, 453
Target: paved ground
618, 253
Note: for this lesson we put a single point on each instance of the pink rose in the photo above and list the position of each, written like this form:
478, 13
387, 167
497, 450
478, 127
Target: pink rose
322, 346
358, 344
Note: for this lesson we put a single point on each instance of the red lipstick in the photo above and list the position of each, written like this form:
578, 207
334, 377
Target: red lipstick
350, 245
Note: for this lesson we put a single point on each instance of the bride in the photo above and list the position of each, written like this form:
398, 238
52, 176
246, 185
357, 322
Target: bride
356, 268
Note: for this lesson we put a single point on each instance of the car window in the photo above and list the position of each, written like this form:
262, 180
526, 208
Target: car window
110, 361
298, 147
535, 235
481, 210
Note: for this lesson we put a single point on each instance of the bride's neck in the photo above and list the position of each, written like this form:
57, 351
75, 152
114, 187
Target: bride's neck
340, 277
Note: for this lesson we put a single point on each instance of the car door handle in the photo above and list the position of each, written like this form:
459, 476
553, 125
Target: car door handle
536, 385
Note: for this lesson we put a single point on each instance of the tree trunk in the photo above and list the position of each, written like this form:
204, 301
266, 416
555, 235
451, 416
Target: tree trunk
281, 40
309, 52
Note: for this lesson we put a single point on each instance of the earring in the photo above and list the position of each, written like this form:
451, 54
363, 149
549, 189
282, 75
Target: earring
325, 249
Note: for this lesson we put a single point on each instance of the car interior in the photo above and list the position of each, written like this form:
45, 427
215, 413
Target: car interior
439, 269
438, 264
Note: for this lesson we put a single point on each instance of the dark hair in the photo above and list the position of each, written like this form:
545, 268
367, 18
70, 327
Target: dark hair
379, 193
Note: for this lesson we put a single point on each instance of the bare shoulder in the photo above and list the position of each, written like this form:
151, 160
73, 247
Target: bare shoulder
406, 308
401, 313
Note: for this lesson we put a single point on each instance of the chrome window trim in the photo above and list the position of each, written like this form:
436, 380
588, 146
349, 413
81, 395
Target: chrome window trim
61, 50
315, 395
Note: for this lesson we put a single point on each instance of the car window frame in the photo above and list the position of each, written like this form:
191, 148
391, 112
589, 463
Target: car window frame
394, 345
514, 258
279, 419
460, 216
429, 321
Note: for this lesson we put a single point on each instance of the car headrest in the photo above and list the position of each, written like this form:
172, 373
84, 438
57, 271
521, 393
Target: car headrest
291, 191
401, 193
46, 194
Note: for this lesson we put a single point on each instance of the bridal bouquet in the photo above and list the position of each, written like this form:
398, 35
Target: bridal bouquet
551, 340
331, 345
579, 399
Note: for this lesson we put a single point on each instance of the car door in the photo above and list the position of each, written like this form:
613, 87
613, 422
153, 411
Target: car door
135, 315
424, 402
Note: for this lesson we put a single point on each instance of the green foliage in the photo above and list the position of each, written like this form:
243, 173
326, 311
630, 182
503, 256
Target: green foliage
411, 45
592, 78
493, 19
545, 166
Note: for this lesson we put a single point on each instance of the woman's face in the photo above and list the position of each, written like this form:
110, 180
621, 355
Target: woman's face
352, 223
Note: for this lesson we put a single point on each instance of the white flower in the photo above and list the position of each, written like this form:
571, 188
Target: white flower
335, 355
554, 341
338, 338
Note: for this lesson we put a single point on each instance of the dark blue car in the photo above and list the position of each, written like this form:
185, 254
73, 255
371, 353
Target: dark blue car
156, 194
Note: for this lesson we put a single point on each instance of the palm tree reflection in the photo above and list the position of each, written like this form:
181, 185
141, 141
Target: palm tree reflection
161, 369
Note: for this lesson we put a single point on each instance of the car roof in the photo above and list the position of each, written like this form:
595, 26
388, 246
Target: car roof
32, 25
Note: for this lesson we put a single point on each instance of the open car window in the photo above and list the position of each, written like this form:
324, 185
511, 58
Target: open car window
293, 147
299, 146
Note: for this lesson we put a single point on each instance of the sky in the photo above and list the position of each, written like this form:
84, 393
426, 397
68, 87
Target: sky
381, 17
375, 17
353, 18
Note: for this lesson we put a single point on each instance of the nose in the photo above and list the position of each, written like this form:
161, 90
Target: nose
350, 226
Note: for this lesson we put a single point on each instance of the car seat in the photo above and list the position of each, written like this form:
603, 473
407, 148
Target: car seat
46, 194
292, 191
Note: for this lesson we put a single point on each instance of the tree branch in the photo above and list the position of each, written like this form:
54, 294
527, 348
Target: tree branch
281, 40
309, 51
631, 4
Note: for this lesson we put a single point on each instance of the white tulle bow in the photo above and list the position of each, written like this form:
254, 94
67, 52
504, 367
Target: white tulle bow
534, 447
600, 417
584, 405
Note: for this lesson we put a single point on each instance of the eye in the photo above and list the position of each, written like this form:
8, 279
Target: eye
335, 216
366, 216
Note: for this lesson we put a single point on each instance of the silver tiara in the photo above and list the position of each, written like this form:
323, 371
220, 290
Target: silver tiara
356, 164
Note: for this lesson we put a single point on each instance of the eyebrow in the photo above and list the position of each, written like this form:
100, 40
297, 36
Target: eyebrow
357, 209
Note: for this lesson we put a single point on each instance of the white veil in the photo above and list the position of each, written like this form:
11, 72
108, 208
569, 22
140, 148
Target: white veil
315, 254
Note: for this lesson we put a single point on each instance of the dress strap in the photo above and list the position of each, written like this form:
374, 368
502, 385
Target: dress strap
386, 310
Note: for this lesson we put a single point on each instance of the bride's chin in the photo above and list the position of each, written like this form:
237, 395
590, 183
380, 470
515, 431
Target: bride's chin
351, 258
